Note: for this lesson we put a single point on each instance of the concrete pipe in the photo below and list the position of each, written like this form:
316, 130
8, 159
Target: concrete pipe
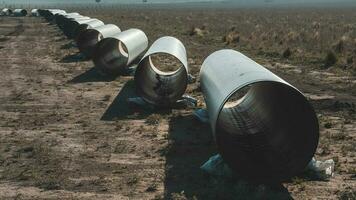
34, 13
162, 75
75, 23
114, 54
88, 39
88, 25
6, 12
265, 128
20, 12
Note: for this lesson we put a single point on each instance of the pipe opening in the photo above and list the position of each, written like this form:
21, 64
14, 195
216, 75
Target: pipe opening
111, 55
24, 12
267, 131
161, 79
87, 40
164, 63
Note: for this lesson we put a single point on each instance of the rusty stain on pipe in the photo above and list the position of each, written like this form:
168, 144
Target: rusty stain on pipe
158, 87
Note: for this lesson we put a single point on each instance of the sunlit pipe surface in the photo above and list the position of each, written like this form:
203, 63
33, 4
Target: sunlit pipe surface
20, 12
158, 87
268, 134
34, 13
88, 25
6, 12
88, 39
115, 53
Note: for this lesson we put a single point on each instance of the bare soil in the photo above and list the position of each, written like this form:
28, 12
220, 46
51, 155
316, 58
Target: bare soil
67, 132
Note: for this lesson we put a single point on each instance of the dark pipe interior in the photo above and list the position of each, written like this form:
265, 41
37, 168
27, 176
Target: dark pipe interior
270, 134
111, 56
158, 87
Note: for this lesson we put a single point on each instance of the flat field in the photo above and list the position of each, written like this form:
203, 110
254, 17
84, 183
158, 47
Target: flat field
67, 132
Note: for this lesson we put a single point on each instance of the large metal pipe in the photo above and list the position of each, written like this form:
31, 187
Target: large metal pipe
49, 14
114, 54
88, 25
163, 87
6, 12
34, 13
20, 12
88, 39
265, 128
73, 24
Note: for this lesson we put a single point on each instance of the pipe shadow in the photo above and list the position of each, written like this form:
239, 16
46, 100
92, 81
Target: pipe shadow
76, 57
120, 108
191, 145
93, 75
68, 45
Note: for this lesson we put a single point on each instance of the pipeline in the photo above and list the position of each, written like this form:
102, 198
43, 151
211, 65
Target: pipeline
88, 39
265, 128
6, 12
158, 87
114, 54
20, 12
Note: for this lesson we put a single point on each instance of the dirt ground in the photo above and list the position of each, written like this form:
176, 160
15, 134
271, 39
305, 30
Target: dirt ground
67, 132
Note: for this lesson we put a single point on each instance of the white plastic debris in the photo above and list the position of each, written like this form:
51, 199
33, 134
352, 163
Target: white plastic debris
216, 166
202, 115
324, 169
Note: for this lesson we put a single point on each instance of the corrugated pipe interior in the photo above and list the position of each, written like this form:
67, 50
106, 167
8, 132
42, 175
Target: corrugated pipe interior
88, 39
20, 12
162, 75
265, 128
115, 53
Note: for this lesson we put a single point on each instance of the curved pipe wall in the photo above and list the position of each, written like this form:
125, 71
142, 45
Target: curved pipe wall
20, 12
158, 87
115, 53
87, 25
88, 39
265, 128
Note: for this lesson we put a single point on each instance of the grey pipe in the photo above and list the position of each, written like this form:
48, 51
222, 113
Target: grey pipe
88, 39
265, 128
20, 12
75, 23
115, 53
158, 87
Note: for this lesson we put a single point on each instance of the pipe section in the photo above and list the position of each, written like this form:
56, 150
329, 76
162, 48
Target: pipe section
20, 12
34, 13
6, 12
88, 25
75, 23
158, 87
265, 128
88, 39
115, 53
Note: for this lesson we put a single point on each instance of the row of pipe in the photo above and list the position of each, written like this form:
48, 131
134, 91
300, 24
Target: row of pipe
19, 12
265, 128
